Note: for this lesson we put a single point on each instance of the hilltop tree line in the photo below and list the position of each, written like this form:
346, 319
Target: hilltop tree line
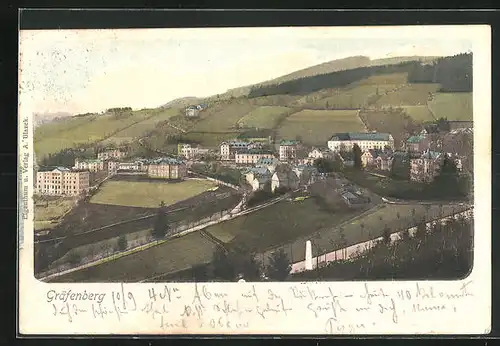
453, 73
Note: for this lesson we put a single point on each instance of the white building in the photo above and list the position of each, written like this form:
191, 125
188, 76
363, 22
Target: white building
229, 149
190, 152
288, 150
93, 165
111, 154
251, 156
61, 181
369, 140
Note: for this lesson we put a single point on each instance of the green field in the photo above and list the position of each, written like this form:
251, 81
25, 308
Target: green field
222, 117
96, 128
148, 194
208, 140
408, 95
277, 224
315, 127
395, 122
265, 117
49, 210
418, 113
139, 129
374, 222
356, 97
173, 255
390, 79
453, 106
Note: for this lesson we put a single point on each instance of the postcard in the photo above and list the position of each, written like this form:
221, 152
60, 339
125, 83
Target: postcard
286, 180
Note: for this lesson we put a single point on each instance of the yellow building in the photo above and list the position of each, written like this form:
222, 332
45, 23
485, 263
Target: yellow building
167, 168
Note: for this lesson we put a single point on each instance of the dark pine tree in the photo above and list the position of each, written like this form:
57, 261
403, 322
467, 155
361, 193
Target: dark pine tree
356, 150
122, 243
279, 267
222, 266
161, 225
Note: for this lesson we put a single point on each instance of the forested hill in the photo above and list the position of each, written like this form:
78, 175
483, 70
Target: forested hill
453, 73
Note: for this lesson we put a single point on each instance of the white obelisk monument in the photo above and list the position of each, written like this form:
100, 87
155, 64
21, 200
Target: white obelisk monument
309, 259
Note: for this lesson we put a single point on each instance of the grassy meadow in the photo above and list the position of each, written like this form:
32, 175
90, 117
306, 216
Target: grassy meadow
277, 224
148, 194
408, 95
315, 127
171, 256
453, 106
48, 211
419, 113
264, 117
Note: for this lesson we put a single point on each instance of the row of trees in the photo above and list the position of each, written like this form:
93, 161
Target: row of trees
453, 73
336, 79
444, 252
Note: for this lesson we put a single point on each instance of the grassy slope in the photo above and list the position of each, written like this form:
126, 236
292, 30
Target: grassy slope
175, 254
316, 126
139, 129
148, 194
277, 224
265, 117
453, 106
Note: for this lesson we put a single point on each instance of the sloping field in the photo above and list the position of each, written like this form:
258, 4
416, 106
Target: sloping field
274, 100
418, 113
409, 95
453, 106
222, 117
48, 211
396, 123
277, 224
139, 129
95, 129
208, 139
265, 117
355, 97
148, 194
56, 127
384, 79
176, 254
374, 222
315, 127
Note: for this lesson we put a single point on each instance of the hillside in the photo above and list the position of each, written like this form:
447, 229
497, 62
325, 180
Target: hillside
381, 97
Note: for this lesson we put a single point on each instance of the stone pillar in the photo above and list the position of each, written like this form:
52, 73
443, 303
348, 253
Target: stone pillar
308, 260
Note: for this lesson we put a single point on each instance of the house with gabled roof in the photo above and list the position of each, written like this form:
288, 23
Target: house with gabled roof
418, 143
284, 177
426, 167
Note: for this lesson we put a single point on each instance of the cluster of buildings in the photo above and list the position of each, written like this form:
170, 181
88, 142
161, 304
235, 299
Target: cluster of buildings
63, 181
191, 152
425, 163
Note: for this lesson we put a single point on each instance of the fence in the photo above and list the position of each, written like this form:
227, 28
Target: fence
220, 182
353, 251
110, 252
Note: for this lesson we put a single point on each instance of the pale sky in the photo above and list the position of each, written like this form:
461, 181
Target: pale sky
80, 71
